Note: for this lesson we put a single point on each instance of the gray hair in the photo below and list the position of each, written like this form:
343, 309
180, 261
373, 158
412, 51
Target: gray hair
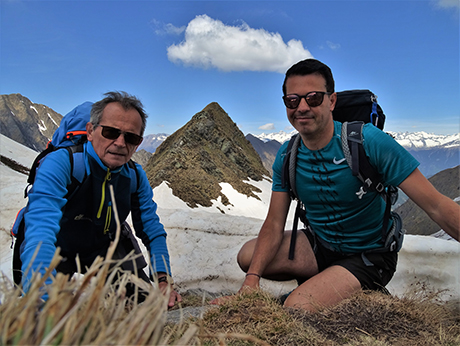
125, 100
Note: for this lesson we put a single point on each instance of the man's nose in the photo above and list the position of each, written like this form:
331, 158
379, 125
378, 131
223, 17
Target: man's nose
303, 105
120, 141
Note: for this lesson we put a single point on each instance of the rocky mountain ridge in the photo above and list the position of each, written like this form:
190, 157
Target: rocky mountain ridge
208, 150
28, 123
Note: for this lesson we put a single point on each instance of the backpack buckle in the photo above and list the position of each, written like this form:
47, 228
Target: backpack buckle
379, 187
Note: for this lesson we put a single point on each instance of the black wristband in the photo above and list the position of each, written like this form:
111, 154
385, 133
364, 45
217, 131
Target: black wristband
167, 279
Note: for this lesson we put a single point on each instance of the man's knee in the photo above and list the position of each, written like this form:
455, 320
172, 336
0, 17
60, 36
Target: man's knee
244, 256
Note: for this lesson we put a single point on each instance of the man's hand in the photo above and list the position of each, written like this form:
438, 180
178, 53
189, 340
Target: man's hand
165, 288
251, 283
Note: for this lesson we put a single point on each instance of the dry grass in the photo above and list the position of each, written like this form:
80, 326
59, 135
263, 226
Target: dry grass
369, 318
91, 311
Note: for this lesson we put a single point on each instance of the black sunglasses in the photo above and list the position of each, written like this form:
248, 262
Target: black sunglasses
313, 98
113, 133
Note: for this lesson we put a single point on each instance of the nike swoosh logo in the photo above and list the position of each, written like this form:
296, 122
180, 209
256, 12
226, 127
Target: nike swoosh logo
338, 162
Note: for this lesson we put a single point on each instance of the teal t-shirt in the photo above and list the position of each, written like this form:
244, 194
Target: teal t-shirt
328, 189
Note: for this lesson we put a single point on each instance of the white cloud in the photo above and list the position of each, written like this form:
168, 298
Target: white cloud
166, 29
269, 126
209, 43
332, 45
448, 3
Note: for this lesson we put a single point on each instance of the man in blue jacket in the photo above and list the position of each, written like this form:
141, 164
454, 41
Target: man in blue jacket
83, 224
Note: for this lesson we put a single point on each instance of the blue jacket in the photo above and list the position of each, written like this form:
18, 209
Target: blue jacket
87, 216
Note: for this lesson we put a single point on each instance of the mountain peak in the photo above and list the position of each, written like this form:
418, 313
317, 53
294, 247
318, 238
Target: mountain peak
207, 151
28, 123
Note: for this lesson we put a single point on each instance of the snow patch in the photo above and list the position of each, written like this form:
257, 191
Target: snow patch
49, 116
42, 127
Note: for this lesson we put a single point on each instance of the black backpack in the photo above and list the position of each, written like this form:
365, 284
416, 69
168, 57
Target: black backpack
354, 108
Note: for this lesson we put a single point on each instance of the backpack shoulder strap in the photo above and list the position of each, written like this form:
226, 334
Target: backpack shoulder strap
134, 176
353, 149
289, 166
77, 163
77, 167
288, 180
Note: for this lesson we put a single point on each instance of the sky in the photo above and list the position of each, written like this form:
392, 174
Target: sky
179, 56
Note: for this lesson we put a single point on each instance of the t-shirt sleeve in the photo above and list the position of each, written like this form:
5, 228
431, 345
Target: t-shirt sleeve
278, 168
390, 159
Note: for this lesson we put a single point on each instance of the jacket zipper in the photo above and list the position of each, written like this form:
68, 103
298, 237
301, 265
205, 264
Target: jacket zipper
108, 216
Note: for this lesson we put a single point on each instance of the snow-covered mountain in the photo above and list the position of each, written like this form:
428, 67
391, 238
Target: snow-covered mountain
423, 140
409, 140
280, 136
152, 142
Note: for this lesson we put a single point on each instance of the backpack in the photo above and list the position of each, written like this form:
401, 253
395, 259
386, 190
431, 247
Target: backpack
354, 108
70, 135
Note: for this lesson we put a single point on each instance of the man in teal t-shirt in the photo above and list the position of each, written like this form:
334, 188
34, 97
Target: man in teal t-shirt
340, 216
329, 264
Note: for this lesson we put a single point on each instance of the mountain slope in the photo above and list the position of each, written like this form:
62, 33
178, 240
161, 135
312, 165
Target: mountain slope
26, 122
266, 150
415, 220
207, 151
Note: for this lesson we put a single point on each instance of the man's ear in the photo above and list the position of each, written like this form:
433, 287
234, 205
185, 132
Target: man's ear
89, 131
333, 98
139, 145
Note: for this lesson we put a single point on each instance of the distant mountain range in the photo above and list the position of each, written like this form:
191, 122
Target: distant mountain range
434, 152
152, 142
409, 140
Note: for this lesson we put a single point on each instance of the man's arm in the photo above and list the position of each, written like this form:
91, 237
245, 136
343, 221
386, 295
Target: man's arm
441, 209
269, 238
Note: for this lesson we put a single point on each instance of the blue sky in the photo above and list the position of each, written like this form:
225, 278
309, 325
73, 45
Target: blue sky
179, 56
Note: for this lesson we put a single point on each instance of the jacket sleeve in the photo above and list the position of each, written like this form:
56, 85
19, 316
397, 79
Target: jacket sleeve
147, 224
44, 213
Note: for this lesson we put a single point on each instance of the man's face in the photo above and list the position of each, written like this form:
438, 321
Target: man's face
310, 121
115, 152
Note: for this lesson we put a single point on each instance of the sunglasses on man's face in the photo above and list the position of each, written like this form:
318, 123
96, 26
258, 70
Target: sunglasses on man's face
113, 133
313, 98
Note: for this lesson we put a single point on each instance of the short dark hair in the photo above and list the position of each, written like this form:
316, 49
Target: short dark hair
125, 100
311, 66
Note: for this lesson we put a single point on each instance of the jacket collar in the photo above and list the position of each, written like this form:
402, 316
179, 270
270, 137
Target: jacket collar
92, 153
